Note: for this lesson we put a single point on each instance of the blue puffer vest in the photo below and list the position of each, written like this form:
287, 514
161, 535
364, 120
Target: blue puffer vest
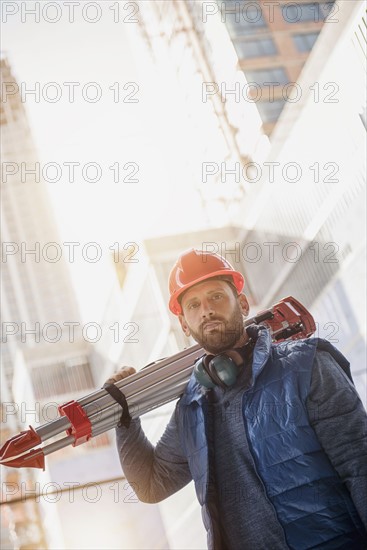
289, 459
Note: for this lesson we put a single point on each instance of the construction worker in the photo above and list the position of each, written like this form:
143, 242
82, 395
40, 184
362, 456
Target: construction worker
273, 435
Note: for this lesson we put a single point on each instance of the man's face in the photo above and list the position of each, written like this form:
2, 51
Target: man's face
213, 316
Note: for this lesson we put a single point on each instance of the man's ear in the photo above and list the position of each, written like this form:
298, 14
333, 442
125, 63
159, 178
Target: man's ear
244, 304
184, 325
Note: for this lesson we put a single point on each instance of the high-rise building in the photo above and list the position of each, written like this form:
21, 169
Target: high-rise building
40, 363
48, 361
37, 295
269, 41
199, 61
308, 216
273, 41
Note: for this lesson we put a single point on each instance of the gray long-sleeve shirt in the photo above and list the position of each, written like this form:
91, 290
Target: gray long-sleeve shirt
248, 519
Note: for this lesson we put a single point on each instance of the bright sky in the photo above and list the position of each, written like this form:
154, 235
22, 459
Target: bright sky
143, 138
105, 132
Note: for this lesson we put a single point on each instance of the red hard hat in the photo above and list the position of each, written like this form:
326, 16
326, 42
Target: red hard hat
194, 266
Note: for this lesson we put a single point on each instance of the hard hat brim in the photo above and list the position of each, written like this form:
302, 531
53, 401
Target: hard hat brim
238, 281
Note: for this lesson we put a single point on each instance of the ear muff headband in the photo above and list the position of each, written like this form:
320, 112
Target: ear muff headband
201, 374
221, 370
216, 370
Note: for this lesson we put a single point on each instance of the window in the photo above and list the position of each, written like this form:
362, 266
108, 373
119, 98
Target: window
305, 42
62, 378
270, 111
275, 76
255, 48
242, 18
313, 11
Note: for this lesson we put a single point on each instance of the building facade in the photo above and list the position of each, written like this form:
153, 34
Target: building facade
308, 216
199, 66
273, 41
43, 363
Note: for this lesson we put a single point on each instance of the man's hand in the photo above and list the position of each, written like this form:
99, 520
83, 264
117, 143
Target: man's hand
121, 374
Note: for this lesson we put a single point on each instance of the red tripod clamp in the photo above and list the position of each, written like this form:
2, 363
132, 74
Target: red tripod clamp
81, 427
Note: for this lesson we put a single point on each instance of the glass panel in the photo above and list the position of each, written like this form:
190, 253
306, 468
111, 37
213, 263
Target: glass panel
312, 11
275, 75
255, 48
305, 42
242, 18
62, 378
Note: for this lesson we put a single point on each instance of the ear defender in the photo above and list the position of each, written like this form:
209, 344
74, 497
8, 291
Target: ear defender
216, 370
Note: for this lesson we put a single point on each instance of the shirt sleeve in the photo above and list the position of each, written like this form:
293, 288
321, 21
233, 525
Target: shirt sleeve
157, 472
340, 422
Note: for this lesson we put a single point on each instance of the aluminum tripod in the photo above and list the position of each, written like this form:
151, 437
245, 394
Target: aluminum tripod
151, 387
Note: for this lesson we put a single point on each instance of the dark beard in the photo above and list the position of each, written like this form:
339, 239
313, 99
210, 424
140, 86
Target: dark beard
224, 337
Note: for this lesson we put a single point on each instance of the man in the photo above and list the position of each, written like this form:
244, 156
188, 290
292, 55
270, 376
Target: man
277, 449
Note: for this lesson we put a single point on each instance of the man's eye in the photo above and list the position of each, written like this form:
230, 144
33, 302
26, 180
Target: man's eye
193, 305
217, 296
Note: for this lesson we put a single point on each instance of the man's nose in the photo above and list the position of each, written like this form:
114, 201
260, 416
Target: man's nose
206, 309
